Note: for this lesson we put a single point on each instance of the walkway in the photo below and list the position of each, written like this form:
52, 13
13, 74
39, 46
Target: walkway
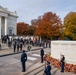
11, 65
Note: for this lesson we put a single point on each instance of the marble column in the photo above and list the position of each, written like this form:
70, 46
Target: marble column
5, 25
0, 27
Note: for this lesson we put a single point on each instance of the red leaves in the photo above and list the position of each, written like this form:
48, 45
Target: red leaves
21, 27
56, 63
48, 25
25, 29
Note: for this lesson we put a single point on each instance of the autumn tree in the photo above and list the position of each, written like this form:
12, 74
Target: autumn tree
30, 30
70, 25
21, 27
49, 25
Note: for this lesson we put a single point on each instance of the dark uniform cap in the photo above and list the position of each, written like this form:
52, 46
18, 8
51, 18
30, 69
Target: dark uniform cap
23, 50
48, 62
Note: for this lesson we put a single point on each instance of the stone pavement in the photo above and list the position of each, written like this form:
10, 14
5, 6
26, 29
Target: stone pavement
11, 65
10, 50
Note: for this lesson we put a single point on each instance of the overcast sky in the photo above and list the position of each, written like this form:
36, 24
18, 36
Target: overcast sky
31, 9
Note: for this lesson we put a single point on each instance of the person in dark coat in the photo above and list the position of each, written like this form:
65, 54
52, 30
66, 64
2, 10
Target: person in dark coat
23, 60
14, 45
62, 63
47, 70
2, 39
42, 55
17, 46
20, 46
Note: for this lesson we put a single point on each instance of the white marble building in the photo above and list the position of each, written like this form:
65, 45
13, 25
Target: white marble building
8, 21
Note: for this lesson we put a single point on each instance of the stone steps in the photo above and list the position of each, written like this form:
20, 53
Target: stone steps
41, 72
38, 69
33, 68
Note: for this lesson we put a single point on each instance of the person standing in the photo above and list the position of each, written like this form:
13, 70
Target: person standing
17, 46
23, 61
47, 70
20, 46
14, 45
46, 44
62, 63
42, 55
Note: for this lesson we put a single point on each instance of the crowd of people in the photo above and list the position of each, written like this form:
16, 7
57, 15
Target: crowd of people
18, 43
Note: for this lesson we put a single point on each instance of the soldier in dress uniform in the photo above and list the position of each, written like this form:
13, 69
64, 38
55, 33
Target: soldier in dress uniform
42, 55
62, 63
23, 61
47, 70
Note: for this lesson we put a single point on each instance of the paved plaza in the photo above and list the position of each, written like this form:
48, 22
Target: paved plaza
11, 65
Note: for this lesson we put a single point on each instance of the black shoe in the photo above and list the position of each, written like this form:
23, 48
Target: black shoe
23, 71
62, 71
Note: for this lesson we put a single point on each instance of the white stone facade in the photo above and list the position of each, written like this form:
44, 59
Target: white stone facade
66, 48
8, 21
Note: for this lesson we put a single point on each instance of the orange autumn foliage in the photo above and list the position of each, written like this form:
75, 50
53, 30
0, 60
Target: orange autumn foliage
48, 25
21, 27
55, 62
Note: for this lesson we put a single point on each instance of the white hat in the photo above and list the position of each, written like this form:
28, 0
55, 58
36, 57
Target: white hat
41, 47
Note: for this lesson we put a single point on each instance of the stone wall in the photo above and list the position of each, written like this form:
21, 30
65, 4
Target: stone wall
66, 48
